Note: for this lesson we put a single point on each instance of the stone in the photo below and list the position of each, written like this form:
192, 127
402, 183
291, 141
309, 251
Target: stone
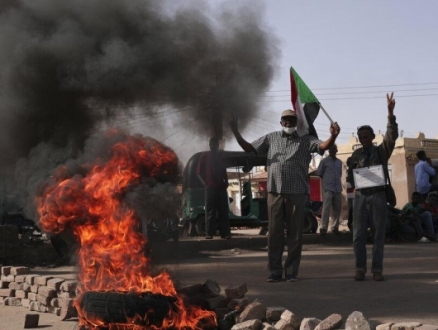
216, 302
273, 314
6, 270
55, 283
20, 278
309, 323
283, 325
255, 310
34, 306
54, 302
334, 321
43, 299
42, 280
384, 326
69, 286
31, 321
25, 287
54, 310
357, 321
21, 294
7, 293
211, 288
46, 291
12, 301
32, 296
14, 286
20, 270
291, 318
66, 295
30, 279
25, 303
405, 325
34, 288
267, 326
67, 309
238, 304
236, 291
427, 327
7, 278
248, 325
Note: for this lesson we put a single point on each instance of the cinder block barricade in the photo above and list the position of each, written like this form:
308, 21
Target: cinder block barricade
47, 294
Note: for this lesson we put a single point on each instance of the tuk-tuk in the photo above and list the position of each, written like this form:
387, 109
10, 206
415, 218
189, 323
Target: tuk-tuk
248, 208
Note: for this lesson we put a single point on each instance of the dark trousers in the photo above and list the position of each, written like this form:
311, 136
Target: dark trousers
216, 202
285, 211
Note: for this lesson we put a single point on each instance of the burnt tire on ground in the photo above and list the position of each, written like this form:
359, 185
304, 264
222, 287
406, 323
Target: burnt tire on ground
113, 307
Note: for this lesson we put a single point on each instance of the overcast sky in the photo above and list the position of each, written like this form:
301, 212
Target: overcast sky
337, 44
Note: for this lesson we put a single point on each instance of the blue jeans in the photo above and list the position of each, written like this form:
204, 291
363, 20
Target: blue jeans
426, 220
369, 211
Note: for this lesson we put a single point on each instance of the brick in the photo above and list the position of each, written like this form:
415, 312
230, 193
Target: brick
34, 288
67, 309
43, 299
238, 304
14, 286
8, 278
32, 296
55, 283
69, 286
6, 270
66, 295
46, 291
4, 285
333, 321
54, 310
20, 294
12, 301
42, 280
54, 302
31, 321
25, 287
255, 310
7, 293
34, 306
20, 278
236, 291
42, 308
30, 279
25, 303
20, 270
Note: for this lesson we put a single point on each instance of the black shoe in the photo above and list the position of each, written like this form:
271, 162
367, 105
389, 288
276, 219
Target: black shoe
208, 237
274, 278
336, 231
226, 237
359, 275
323, 232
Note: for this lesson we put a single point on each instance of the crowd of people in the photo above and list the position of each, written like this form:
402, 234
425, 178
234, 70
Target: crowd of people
288, 156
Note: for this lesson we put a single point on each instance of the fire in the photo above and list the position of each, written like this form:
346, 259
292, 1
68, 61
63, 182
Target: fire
111, 253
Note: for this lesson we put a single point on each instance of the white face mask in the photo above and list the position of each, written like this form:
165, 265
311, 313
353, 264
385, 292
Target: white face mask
289, 130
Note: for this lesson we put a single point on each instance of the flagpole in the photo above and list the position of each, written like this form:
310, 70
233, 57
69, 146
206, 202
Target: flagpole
325, 112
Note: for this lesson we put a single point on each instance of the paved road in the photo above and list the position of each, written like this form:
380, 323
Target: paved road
325, 283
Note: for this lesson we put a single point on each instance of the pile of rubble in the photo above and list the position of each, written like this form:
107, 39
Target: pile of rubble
236, 312
18, 287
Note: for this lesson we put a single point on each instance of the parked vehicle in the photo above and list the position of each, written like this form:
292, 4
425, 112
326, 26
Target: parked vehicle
253, 210
28, 231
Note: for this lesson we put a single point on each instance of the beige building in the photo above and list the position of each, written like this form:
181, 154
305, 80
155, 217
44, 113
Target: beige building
401, 164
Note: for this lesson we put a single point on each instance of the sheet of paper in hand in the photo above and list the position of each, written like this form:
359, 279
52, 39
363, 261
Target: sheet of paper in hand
367, 177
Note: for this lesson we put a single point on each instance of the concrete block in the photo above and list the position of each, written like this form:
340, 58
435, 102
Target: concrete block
236, 291
30, 279
7, 293
34, 288
69, 286
55, 283
46, 291
42, 280
273, 314
7, 278
32, 296
25, 303
44, 299
21, 294
20, 278
20, 270
6, 270
248, 325
31, 321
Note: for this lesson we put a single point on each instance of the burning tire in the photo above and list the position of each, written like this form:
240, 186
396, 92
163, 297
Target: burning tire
113, 307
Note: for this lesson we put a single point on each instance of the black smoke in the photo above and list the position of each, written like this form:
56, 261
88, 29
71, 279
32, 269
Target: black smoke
67, 66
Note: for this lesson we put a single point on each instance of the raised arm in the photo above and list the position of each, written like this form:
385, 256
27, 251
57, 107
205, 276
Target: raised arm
334, 132
245, 145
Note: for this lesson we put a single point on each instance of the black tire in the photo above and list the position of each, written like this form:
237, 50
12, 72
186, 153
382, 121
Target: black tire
113, 307
310, 224
200, 225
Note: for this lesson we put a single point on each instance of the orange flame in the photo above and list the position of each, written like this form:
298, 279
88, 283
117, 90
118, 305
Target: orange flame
111, 253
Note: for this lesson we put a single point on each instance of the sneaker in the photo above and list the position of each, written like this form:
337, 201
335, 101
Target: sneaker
423, 240
377, 276
291, 278
274, 278
323, 232
359, 275
208, 237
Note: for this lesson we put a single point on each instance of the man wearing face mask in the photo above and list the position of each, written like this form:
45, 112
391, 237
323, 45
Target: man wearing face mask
288, 158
